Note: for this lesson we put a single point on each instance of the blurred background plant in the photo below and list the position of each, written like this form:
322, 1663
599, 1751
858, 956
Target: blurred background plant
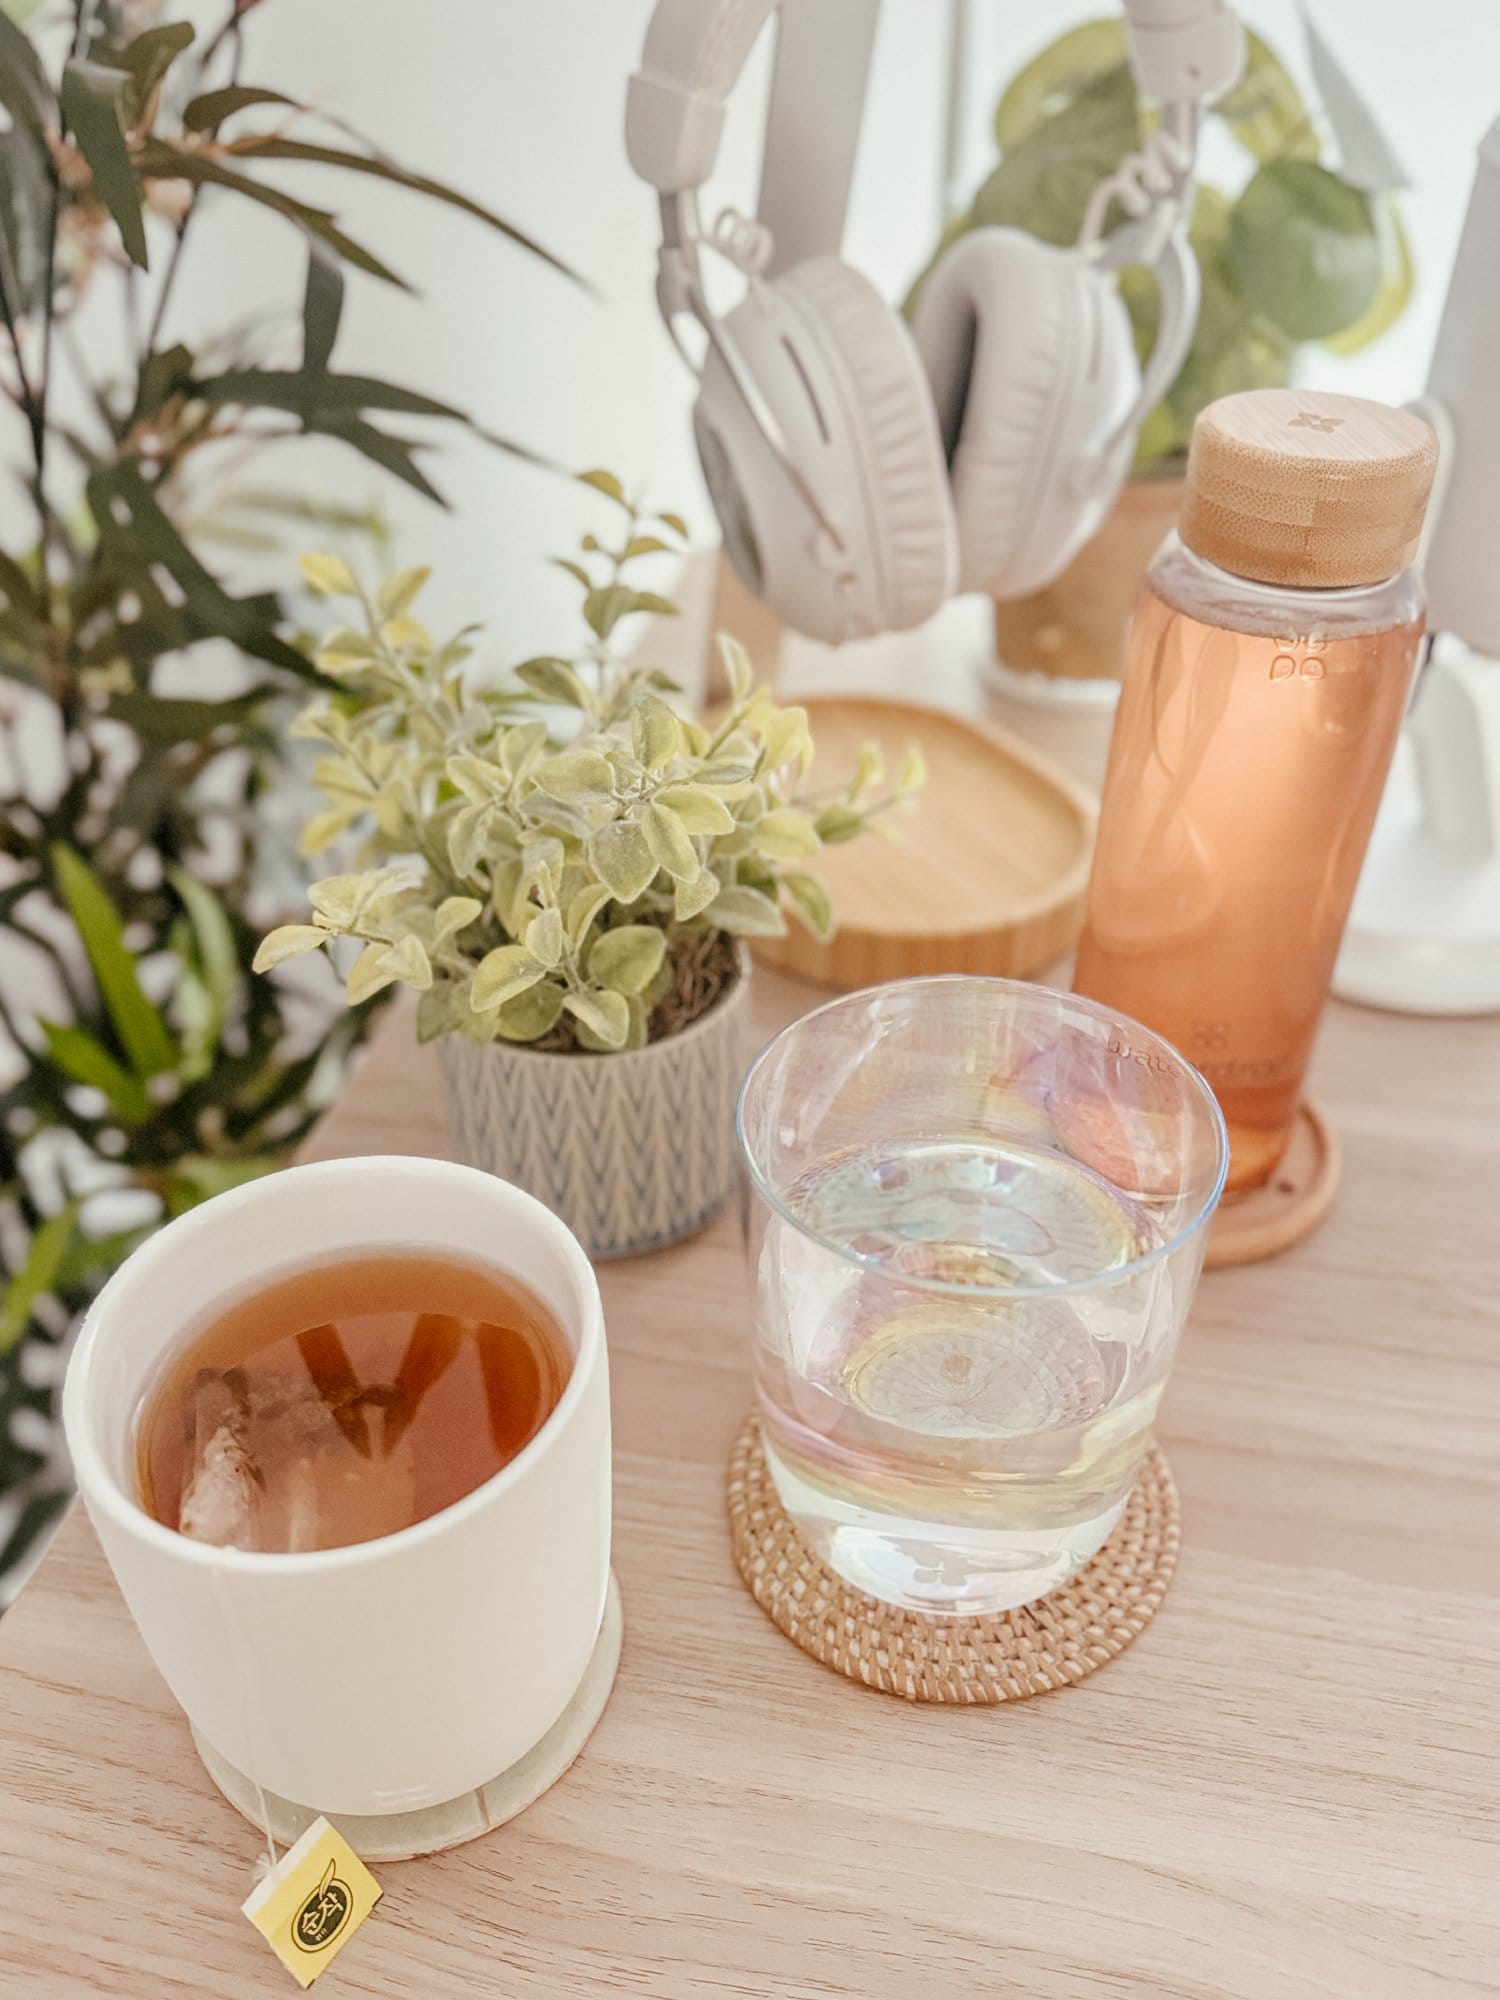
147, 810
1300, 253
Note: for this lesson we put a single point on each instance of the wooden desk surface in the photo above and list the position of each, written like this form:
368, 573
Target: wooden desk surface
1287, 1788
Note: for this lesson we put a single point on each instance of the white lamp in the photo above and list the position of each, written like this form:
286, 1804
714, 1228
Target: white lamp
1424, 933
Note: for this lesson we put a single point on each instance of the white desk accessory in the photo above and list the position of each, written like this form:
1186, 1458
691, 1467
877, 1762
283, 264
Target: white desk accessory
1424, 934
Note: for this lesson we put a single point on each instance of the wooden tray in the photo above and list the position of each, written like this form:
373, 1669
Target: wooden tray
990, 868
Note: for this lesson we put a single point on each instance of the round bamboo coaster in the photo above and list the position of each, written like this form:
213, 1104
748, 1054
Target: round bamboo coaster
1292, 1203
988, 870
972, 1661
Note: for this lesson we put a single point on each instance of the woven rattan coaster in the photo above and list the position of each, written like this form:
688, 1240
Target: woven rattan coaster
1050, 1644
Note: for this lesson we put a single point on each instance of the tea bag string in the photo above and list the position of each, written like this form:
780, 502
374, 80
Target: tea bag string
229, 1612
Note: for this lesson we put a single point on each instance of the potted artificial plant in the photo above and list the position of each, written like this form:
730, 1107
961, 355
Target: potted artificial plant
1300, 253
569, 902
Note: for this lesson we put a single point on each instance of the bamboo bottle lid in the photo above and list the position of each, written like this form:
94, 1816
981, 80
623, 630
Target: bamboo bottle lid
1297, 487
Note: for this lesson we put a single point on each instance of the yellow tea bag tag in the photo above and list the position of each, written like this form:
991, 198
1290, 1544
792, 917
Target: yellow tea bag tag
313, 1901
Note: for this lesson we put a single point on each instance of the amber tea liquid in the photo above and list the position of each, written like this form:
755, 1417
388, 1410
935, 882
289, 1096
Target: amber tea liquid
347, 1400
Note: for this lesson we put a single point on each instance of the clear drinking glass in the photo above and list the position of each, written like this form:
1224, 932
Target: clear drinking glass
977, 1217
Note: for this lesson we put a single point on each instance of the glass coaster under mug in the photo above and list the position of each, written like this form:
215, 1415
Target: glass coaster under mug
977, 1218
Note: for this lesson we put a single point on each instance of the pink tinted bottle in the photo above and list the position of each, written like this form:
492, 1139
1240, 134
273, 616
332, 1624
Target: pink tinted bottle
1270, 663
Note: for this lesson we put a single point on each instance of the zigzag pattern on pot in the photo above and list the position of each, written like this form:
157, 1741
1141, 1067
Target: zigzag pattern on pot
631, 1151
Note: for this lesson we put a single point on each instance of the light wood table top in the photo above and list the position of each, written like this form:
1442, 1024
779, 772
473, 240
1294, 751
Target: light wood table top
1286, 1789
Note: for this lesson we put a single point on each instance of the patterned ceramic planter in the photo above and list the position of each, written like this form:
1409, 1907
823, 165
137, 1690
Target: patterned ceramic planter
633, 1151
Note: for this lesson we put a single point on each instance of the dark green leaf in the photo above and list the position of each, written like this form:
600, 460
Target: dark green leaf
392, 454
650, 600
675, 522
142, 1032
281, 389
147, 59
157, 158
165, 374
521, 451
17, 591
322, 306
91, 102
134, 535
212, 107
80, 1057
218, 953
277, 147
25, 218
164, 719
24, 90
575, 570
1303, 249
38, 1275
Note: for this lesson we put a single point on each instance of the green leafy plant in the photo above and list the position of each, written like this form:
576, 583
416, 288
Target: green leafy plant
577, 891
1299, 254
142, 732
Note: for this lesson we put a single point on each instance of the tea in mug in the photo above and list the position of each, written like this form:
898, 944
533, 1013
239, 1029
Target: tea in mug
347, 1400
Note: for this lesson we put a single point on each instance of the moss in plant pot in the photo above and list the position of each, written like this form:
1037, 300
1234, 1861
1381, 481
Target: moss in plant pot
563, 861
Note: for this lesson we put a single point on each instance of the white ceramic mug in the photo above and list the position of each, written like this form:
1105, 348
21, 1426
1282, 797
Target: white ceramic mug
394, 1674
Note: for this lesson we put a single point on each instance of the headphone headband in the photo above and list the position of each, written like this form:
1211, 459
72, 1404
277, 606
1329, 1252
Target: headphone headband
1182, 52
674, 113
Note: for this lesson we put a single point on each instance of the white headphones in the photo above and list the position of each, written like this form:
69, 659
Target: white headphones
860, 475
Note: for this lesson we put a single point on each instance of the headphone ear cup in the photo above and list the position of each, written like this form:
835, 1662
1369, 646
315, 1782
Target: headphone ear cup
881, 390
1032, 366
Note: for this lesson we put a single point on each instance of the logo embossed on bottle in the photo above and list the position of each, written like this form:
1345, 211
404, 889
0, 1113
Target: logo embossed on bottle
1299, 659
1313, 420
1147, 1058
